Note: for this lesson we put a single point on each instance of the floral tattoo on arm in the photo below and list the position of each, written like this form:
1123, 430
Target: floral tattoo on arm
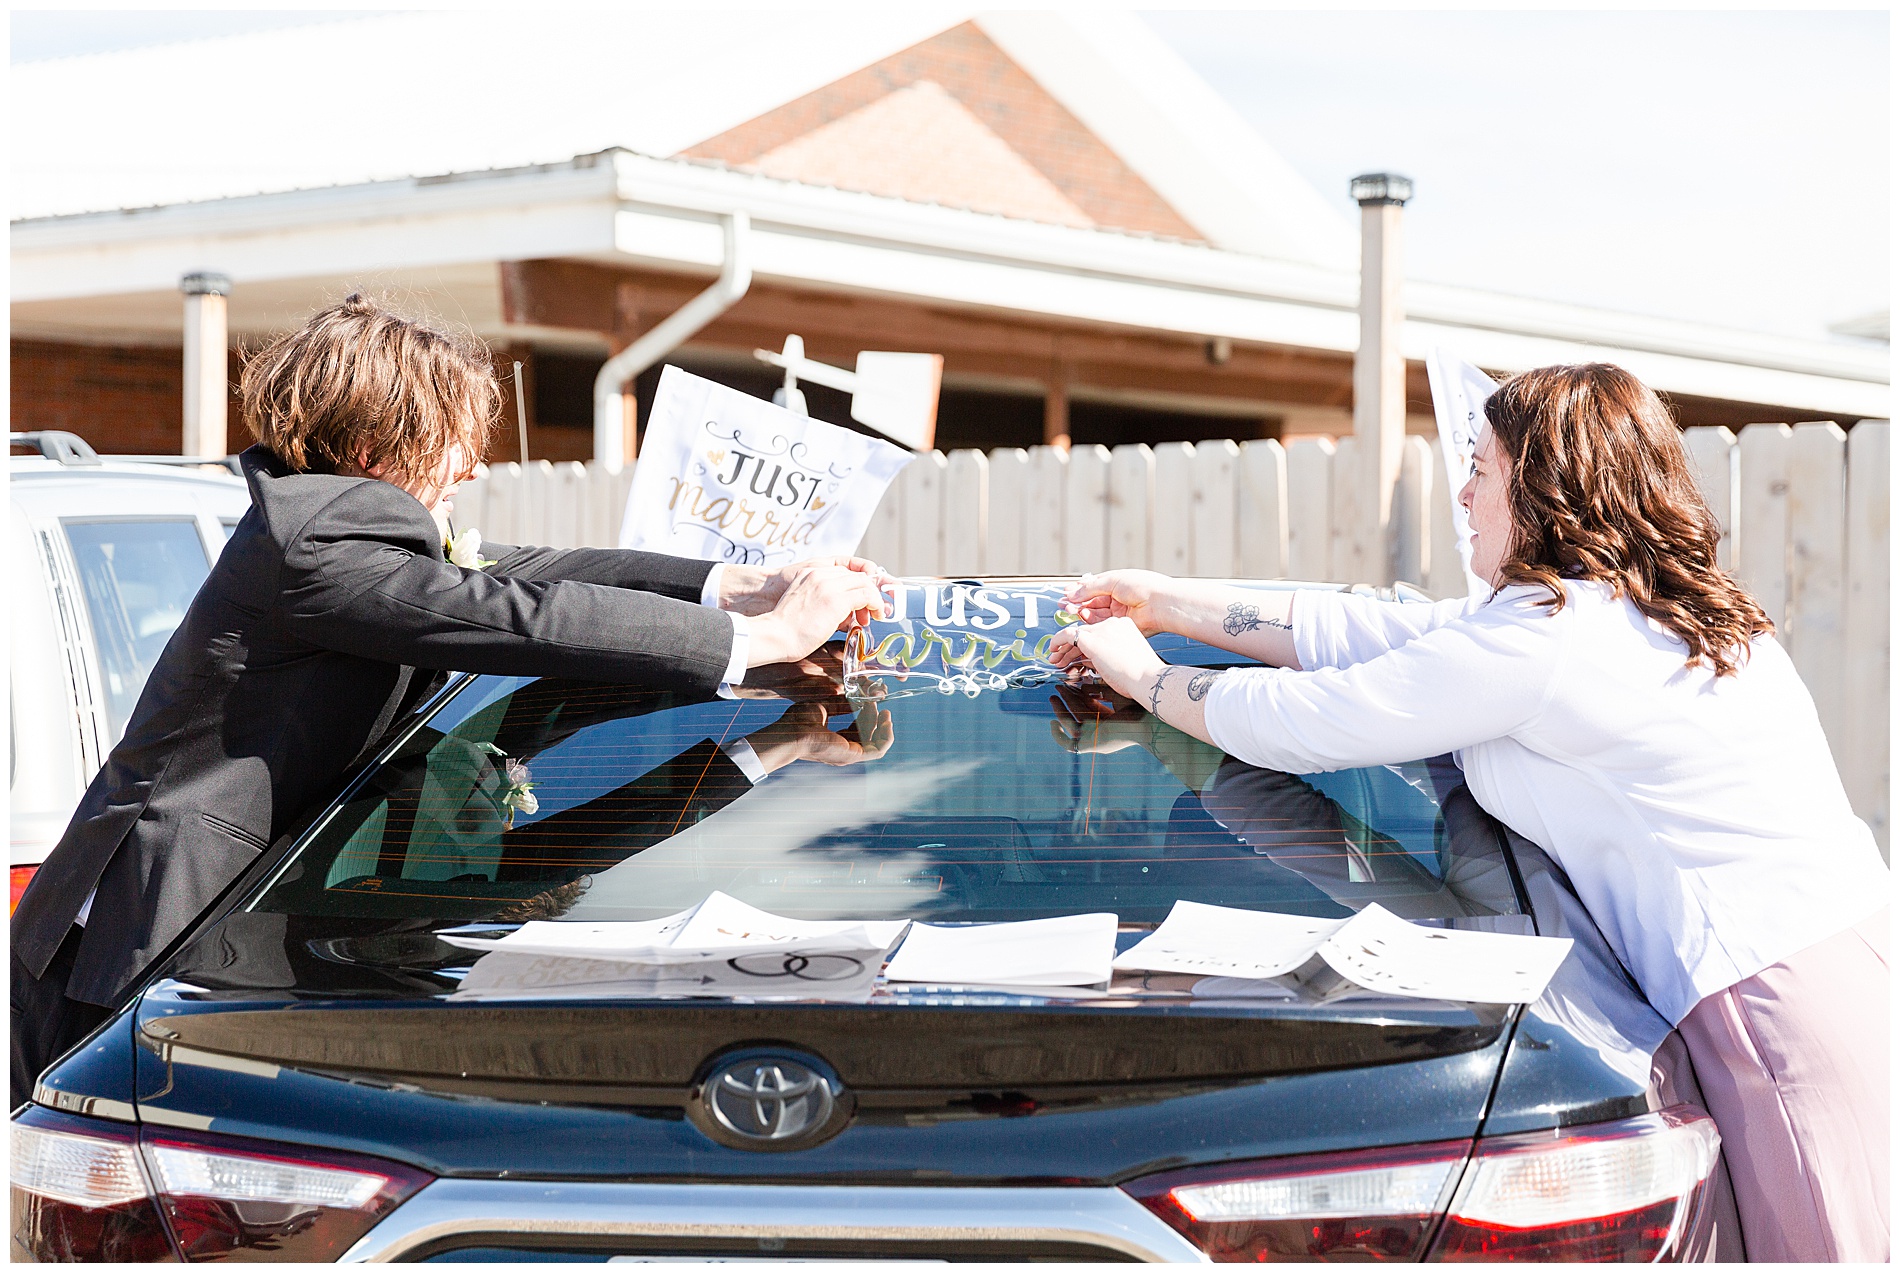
1199, 684
1245, 618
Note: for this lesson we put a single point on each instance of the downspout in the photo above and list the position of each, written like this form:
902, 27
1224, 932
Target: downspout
611, 424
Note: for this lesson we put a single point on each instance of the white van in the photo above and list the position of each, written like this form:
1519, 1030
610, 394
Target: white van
107, 554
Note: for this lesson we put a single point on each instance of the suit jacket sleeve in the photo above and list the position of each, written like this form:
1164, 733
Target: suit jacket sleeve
363, 577
681, 578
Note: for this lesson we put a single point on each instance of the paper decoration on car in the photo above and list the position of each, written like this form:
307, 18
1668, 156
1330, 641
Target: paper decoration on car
725, 476
1373, 948
957, 638
1458, 393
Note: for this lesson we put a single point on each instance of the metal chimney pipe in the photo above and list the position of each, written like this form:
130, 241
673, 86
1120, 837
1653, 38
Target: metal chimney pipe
1378, 369
206, 342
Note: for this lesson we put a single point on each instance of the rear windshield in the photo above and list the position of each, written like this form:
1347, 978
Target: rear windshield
935, 769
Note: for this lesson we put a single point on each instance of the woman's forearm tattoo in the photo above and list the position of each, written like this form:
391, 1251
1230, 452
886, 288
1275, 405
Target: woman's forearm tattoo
1245, 618
1199, 684
1154, 691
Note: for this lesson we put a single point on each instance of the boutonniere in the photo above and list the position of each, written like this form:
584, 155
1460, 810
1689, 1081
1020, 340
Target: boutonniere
516, 794
465, 550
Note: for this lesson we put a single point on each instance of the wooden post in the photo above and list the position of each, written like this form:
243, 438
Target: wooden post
1378, 370
1055, 409
206, 343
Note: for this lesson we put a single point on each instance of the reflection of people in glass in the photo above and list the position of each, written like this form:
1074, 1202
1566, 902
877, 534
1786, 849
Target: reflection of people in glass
448, 826
1284, 819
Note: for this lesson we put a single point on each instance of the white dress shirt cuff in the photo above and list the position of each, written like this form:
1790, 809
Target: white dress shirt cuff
740, 753
709, 591
741, 646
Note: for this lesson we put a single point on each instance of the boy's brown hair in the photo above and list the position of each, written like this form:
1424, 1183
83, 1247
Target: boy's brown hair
358, 388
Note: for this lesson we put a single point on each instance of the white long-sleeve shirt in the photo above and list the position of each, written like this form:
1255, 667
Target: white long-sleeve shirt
1701, 819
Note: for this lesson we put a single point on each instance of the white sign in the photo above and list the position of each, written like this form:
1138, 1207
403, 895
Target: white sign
1458, 393
1065, 950
721, 927
1374, 948
726, 476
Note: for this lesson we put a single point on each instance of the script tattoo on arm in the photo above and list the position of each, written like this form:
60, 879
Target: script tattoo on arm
1245, 618
1154, 691
1199, 684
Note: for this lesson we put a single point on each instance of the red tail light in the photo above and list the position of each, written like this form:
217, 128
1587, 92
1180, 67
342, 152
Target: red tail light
1362, 1205
79, 1193
1629, 1190
1610, 1192
219, 1197
18, 878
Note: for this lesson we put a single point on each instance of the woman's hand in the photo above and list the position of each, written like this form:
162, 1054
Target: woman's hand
1146, 597
1114, 647
818, 600
1252, 622
752, 590
1122, 657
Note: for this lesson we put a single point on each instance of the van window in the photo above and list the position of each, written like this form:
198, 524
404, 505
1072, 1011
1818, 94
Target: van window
138, 578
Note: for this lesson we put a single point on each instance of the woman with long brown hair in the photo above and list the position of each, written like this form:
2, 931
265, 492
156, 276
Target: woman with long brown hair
1619, 700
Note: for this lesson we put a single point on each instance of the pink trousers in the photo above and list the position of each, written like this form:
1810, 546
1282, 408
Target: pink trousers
1793, 1066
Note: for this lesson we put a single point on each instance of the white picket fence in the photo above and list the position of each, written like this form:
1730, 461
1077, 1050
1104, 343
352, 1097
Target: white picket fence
1804, 513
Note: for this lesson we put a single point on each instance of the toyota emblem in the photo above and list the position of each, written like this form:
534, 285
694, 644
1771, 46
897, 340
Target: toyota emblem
770, 1100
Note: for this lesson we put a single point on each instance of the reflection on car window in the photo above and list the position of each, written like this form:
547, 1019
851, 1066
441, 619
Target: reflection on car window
592, 802
138, 577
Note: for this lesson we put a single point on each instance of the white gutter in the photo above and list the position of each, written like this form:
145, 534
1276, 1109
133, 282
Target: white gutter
610, 411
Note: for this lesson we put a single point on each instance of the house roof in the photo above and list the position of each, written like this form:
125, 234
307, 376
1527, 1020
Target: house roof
114, 275
391, 96
1077, 170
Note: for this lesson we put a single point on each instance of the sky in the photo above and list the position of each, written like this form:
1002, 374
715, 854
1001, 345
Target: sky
1727, 167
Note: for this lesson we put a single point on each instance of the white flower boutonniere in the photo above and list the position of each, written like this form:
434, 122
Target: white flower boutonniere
516, 792
465, 550
518, 795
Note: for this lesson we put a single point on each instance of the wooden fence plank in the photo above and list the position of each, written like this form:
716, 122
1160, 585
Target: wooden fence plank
1412, 512
532, 509
1261, 510
1761, 536
1712, 453
610, 503
1446, 575
1215, 523
1867, 751
1172, 549
568, 506
1350, 559
1044, 498
965, 512
1009, 489
501, 504
921, 514
1309, 505
1131, 475
1817, 566
1085, 513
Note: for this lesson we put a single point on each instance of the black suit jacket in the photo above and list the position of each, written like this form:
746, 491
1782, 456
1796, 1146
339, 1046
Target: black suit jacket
296, 655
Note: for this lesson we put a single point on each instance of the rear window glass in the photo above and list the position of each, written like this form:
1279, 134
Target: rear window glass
993, 792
